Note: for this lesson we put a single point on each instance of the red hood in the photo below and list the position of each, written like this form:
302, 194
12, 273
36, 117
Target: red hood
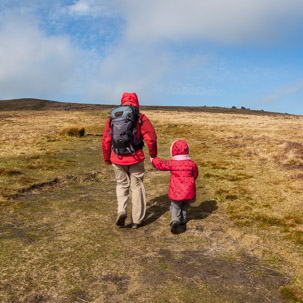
130, 99
179, 147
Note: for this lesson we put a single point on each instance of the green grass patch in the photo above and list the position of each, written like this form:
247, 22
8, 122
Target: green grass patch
296, 236
49, 163
244, 222
291, 293
265, 219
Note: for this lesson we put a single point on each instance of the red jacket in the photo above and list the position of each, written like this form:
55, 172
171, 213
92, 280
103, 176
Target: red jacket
145, 128
184, 172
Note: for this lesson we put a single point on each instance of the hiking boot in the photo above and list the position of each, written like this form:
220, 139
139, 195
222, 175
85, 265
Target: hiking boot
121, 219
135, 226
174, 226
183, 227
183, 223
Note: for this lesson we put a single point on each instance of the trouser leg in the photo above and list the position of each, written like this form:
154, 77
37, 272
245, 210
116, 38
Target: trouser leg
138, 192
184, 211
122, 187
175, 208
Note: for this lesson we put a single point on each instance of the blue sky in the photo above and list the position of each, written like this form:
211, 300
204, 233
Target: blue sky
170, 52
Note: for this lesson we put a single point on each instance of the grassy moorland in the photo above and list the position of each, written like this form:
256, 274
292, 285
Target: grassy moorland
244, 242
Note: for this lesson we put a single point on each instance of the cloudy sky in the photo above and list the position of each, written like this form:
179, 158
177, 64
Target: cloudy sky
170, 52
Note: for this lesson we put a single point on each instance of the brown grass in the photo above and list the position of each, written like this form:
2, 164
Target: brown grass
249, 207
72, 131
292, 294
10, 171
251, 164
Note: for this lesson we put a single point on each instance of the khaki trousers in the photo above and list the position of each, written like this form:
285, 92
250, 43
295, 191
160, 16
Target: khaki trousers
131, 176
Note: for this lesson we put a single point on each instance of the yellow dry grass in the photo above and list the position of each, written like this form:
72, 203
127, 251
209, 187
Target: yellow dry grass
72, 131
251, 165
254, 165
30, 132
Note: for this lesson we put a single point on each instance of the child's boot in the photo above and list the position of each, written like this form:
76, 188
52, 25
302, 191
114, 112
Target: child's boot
174, 226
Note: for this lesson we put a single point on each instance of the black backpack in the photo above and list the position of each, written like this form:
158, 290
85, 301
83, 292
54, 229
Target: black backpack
123, 132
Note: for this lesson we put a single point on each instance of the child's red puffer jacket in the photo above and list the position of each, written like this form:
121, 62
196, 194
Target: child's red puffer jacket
183, 170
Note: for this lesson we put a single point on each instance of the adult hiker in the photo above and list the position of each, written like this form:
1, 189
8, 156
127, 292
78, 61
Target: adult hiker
122, 142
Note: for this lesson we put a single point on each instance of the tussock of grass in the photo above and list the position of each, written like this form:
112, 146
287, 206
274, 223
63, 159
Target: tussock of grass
231, 197
6, 192
10, 172
49, 161
243, 222
297, 176
286, 221
265, 219
295, 218
26, 180
296, 236
213, 165
221, 191
291, 293
232, 178
238, 177
47, 164
210, 175
72, 131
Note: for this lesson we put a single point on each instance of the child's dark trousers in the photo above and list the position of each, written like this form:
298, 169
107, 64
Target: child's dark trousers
179, 210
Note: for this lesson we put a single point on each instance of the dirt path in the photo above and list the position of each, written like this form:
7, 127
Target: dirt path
64, 247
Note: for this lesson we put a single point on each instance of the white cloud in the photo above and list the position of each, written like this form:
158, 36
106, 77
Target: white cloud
150, 72
233, 21
80, 7
32, 64
147, 52
88, 8
227, 22
289, 89
147, 60
129, 69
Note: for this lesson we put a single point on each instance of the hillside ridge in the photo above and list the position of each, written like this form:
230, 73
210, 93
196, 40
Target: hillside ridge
24, 104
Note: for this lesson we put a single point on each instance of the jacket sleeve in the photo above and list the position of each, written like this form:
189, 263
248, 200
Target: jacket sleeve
106, 141
195, 171
161, 164
149, 135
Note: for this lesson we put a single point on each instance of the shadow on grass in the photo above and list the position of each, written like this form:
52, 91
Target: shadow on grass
202, 211
156, 208
159, 205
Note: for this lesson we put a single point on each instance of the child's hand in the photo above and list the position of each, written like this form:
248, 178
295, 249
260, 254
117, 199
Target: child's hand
151, 159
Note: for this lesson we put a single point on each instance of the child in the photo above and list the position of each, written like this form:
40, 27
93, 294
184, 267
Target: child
182, 187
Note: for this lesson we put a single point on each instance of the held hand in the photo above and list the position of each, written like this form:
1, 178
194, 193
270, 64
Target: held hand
151, 159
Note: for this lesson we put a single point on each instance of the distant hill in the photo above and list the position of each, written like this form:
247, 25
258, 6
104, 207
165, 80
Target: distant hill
39, 104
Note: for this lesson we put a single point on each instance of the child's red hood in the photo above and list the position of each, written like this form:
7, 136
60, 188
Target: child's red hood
179, 147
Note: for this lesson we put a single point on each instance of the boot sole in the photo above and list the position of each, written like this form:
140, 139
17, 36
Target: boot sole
121, 220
